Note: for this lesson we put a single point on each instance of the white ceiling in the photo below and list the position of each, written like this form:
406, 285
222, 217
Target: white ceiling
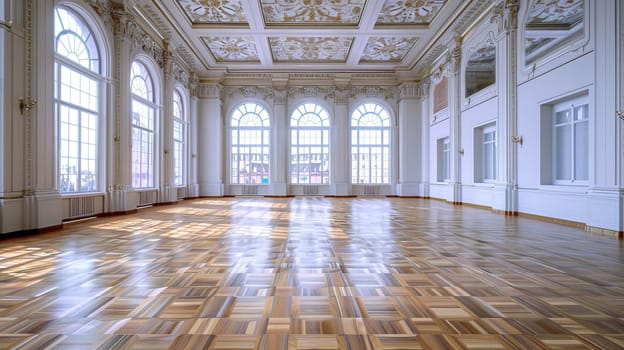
309, 35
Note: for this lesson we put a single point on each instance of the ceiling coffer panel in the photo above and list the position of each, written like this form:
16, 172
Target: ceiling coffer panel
312, 12
310, 49
387, 49
232, 49
214, 12
409, 11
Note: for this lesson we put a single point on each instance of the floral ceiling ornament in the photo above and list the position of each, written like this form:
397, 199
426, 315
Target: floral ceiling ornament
409, 11
387, 49
309, 49
306, 12
213, 11
232, 49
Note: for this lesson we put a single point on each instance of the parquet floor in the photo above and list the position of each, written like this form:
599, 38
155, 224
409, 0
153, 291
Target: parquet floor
312, 273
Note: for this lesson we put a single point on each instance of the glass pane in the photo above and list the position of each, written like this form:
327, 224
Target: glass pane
563, 153
581, 151
580, 112
562, 117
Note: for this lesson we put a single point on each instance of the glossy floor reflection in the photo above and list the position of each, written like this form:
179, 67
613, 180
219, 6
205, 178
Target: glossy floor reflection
312, 273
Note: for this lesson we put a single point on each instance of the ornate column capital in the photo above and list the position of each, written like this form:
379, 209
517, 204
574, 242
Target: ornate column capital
506, 15
341, 96
280, 96
409, 90
209, 90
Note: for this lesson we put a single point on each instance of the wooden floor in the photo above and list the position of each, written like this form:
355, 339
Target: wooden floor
312, 273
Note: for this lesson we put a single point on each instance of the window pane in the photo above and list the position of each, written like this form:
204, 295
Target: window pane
370, 143
563, 153
581, 151
250, 145
562, 117
309, 140
77, 99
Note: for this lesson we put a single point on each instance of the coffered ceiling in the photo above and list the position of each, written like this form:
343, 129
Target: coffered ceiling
307, 35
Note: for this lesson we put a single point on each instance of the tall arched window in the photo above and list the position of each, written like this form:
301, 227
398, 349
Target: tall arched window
370, 145
143, 126
77, 102
309, 145
179, 140
250, 125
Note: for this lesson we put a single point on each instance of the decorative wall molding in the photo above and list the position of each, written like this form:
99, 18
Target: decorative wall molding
125, 26
28, 90
340, 95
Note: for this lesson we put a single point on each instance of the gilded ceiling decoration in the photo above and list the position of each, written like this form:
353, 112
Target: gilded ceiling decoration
409, 11
232, 49
387, 49
309, 49
311, 12
221, 37
558, 13
213, 11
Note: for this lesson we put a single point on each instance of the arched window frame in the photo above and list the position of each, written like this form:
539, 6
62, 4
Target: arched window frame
78, 101
309, 145
250, 141
180, 138
370, 132
144, 123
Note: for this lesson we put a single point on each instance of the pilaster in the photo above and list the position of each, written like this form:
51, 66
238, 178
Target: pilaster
193, 186
505, 197
410, 116
121, 196
455, 94
168, 191
42, 202
605, 205
279, 165
210, 140
341, 185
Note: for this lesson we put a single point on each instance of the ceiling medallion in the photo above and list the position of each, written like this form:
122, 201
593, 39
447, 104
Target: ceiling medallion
213, 11
387, 49
232, 49
311, 12
409, 11
310, 49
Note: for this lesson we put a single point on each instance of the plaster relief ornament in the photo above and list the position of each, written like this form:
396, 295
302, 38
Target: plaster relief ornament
409, 11
387, 49
232, 49
333, 12
213, 11
310, 49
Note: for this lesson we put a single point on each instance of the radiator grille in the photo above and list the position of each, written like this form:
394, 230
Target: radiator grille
147, 198
81, 207
310, 190
250, 190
